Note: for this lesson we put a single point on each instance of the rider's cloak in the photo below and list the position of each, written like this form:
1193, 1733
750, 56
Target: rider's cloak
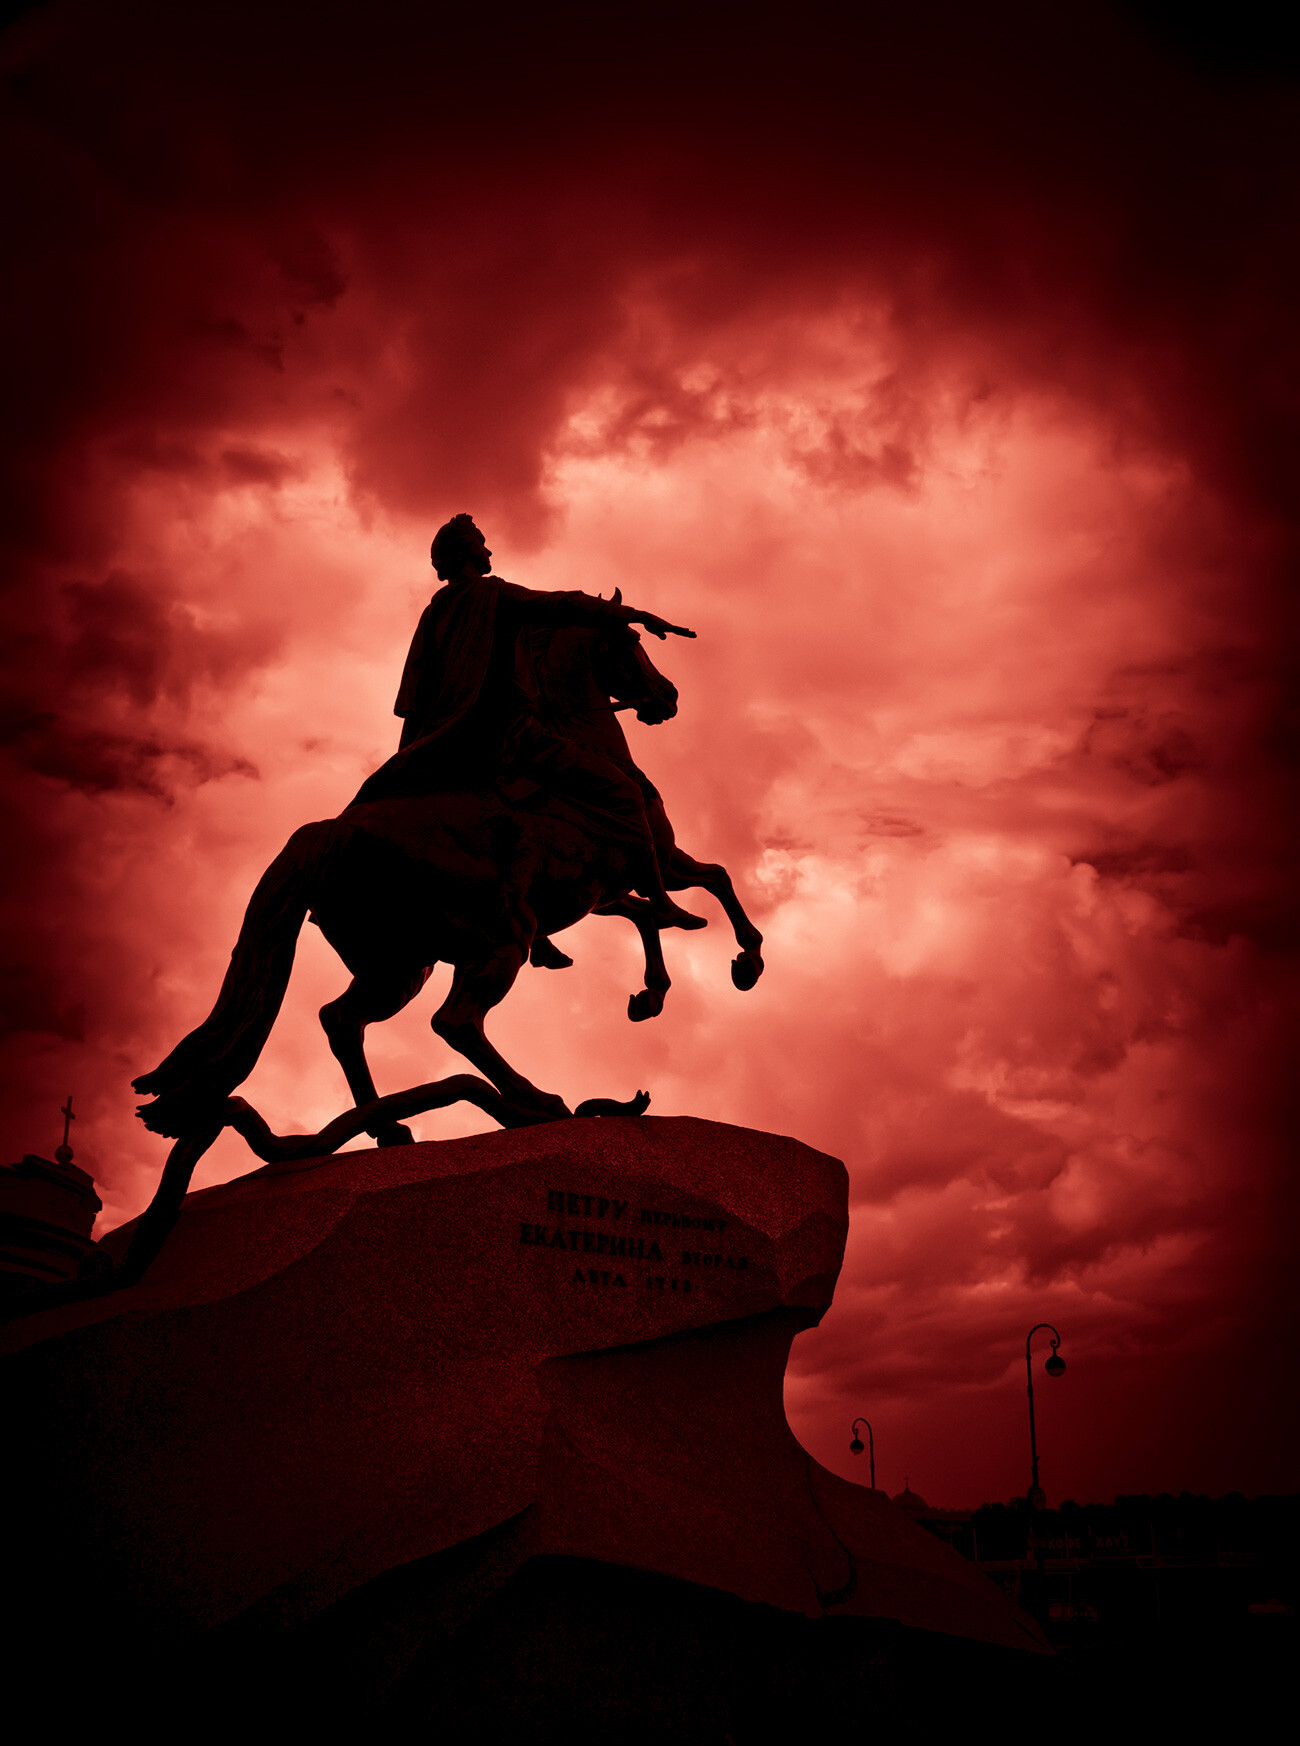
462, 688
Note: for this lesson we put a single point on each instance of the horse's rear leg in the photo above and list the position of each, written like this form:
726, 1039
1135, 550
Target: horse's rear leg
368, 999
476, 988
682, 873
649, 1003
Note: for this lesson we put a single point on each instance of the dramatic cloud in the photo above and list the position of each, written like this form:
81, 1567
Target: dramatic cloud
941, 373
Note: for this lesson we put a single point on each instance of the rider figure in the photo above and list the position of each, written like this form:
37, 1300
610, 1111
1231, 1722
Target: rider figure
470, 715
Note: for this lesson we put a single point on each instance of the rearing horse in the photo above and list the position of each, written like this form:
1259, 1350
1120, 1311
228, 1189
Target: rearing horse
469, 878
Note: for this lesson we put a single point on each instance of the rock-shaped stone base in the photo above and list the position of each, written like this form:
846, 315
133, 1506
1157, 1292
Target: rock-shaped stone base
563, 1343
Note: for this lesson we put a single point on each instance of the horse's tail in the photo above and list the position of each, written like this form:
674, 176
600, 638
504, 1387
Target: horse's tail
206, 1066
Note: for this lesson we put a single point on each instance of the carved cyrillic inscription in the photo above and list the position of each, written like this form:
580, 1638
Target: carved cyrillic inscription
700, 1258
584, 1206
606, 1241
590, 1242
682, 1221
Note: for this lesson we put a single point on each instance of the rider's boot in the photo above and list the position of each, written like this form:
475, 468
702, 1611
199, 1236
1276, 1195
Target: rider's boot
544, 954
664, 912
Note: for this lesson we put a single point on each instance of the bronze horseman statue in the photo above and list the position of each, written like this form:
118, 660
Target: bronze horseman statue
511, 809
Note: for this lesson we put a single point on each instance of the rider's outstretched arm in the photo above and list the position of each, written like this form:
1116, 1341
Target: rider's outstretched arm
571, 606
658, 627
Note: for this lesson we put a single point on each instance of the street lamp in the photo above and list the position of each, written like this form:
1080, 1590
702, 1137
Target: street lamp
1055, 1366
855, 1446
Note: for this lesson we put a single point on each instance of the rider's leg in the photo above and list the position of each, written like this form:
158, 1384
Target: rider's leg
601, 788
648, 880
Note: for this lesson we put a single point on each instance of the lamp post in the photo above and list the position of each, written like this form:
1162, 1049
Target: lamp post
855, 1446
1055, 1366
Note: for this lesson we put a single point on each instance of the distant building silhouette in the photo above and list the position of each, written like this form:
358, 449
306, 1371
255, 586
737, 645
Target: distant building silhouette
47, 1212
911, 1502
1106, 1570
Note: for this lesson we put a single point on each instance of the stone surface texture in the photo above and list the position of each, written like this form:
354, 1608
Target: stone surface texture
572, 1337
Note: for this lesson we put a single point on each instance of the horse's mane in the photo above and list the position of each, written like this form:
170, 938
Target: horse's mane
566, 665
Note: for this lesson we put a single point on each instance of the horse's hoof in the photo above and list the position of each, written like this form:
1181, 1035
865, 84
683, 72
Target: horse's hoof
394, 1134
646, 1004
176, 1114
158, 1120
530, 1109
746, 969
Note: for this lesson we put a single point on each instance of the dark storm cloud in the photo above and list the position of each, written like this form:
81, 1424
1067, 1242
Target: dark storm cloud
1046, 173
101, 653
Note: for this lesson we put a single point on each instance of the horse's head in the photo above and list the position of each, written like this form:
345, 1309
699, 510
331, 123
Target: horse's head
628, 675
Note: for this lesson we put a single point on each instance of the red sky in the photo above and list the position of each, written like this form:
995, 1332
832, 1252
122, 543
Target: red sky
942, 375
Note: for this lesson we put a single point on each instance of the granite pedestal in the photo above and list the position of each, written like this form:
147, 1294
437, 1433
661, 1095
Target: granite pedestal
417, 1427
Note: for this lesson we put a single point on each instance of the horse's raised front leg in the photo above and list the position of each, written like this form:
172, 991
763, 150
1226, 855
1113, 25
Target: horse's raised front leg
649, 1003
681, 873
476, 988
368, 999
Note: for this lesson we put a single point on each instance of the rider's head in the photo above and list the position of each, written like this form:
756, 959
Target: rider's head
459, 551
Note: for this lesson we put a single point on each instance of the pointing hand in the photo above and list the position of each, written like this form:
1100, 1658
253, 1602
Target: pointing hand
660, 627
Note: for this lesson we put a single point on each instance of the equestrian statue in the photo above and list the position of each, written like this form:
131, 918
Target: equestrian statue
511, 809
